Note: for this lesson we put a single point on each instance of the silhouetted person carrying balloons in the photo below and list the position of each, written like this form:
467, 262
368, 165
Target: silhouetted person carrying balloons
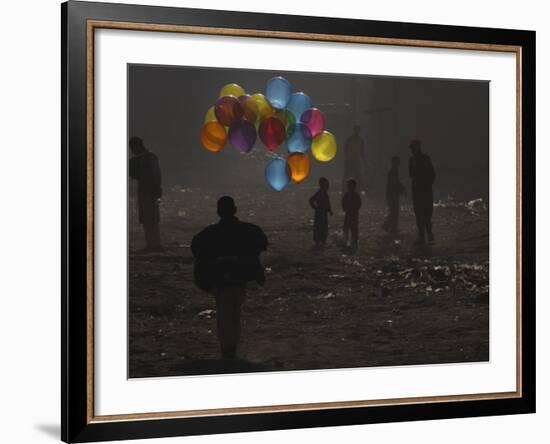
351, 203
355, 162
226, 258
144, 168
394, 190
320, 202
422, 175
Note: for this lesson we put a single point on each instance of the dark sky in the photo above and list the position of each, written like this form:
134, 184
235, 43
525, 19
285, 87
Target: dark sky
167, 105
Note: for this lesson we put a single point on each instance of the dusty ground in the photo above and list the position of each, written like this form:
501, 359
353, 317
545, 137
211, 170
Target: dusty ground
390, 303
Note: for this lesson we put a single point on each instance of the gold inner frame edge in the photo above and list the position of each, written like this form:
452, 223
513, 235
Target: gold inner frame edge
105, 24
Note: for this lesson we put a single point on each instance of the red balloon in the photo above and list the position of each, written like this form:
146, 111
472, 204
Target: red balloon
228, 110
272, 132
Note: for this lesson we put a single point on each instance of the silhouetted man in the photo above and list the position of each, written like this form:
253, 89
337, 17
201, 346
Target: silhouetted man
394, 190
354, 159
226, 258
144, 167
351, 203
422, 174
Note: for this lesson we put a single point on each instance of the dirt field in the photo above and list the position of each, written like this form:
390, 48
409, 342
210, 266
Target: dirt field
390, 303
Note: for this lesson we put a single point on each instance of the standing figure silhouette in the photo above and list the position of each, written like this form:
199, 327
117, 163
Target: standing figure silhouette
144, 168
351, 203
320, 202
422, 175
226, 258
355, 163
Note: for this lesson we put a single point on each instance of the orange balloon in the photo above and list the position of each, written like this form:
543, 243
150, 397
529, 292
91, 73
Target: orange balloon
213, 136
299, 166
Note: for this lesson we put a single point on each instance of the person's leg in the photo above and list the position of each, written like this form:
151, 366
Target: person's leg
392, 217
324, 230
355, 231
228, 318
147, 233
152, 236
238, 300
346, 234
386, 223
396, 216
387, 219
429, 214
419, 219
224, 321
316, 229
149, 215
423, 223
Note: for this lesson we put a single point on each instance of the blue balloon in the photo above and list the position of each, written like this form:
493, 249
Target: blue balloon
277, 174
278, 92
299, 138
299, 102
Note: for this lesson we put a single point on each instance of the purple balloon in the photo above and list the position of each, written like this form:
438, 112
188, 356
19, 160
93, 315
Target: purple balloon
242, 135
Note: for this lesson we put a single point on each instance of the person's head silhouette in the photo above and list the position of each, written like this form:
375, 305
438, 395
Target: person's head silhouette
137, 146
416, 147
226, 207
351, 184
323, 183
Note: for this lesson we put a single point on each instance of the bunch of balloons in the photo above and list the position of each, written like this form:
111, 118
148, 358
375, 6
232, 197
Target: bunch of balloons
276, 117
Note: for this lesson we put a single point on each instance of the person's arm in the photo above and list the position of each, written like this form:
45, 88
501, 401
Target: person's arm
157, 176
133, 168
196, 245
313, 201
256, 238
359, 202
263, 242
329, 207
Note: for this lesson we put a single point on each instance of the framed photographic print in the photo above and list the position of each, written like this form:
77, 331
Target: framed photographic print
276, 221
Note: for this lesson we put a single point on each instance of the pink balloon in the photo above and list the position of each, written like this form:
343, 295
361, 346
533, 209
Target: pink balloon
314, 120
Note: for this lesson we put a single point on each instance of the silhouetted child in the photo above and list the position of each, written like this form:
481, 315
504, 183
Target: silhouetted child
320, 202
351, 202
394, 190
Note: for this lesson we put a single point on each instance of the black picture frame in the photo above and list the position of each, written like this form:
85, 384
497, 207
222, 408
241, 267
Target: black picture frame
76, 423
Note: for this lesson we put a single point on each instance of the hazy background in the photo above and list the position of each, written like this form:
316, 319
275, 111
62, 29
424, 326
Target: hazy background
167, 105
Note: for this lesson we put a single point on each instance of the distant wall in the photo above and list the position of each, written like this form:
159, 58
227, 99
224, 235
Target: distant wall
167, 107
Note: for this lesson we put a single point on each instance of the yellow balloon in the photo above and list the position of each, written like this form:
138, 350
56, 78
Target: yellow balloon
286, 117
323, 146
264, 107
232, 89
210, 115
